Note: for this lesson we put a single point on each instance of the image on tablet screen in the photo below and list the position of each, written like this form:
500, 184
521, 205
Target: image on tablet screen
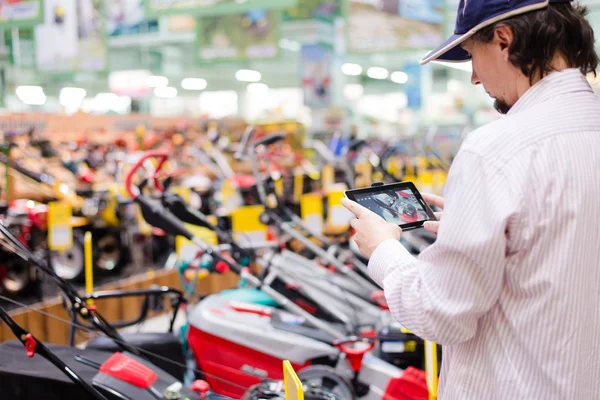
396, 206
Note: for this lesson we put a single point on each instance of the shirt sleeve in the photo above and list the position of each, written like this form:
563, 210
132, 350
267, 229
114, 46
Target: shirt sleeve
441, 295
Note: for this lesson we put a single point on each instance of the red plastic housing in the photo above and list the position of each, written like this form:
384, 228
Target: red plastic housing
225, 361
128, 370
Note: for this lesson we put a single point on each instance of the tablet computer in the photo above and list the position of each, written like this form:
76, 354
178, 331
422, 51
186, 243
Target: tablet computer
398, 203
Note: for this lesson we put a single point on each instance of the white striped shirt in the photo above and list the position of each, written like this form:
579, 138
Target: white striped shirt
511, 287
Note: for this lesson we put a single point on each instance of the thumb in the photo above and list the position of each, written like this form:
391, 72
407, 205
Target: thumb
352, 206
431, 226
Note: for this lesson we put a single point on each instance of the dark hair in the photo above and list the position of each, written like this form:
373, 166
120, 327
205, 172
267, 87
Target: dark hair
539, 35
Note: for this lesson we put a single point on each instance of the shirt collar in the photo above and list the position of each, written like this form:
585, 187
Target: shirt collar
557, 83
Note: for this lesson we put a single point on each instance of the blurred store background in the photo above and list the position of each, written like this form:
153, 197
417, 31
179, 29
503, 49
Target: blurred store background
321, 62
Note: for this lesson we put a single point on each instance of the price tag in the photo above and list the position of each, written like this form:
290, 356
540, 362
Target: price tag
246, 225
293, 386
184, 192
186, 249
425, 181
231, 198
394, 166
364, 172
327, 177
60, 232
311, 211
279, 187
431, 368
338, 216
144, 228
298, 186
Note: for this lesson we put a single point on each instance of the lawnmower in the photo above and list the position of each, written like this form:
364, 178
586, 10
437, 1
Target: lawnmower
249, 341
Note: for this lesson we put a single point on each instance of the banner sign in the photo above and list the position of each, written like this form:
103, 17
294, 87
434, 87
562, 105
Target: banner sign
326, 10
127, 17
394, 26
21, 13
252, 35
160, 8
72, 39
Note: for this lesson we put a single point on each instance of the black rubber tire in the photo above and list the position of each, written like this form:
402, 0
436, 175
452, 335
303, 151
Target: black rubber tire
103, 261
20, 279
327, 378
74, 272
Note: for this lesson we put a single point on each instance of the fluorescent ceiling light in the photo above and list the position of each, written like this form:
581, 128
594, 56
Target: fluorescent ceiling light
106, 98
165, 92
353, 91
71, 97
248, 75
399, 77
461, 66
194, 84
257, 88
377, 73
154, 81
31, 95
352, 69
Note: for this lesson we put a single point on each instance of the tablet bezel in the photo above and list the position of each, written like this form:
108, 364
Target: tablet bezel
351, 194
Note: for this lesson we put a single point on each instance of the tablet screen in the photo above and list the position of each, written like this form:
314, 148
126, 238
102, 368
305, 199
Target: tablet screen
396, 206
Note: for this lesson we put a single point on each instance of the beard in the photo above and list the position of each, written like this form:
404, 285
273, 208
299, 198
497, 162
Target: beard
501, 106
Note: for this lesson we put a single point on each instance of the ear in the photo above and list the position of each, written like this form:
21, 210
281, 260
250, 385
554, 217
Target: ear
503, 36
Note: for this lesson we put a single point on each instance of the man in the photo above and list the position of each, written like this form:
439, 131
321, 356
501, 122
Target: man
511, 287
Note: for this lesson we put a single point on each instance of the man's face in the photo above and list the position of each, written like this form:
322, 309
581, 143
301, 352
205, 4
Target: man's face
493, 70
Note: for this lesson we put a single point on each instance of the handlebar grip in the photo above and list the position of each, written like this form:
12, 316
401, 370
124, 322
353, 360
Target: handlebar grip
356, 144
156, 215
161, 155
269, 139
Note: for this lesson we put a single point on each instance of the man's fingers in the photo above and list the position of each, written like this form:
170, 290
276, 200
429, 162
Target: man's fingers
349, 206
437, 201
355, 208
431, 226
438, 215
353, 223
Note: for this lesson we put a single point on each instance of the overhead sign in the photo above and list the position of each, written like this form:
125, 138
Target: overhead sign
21, 13
394, 26
316, 65
71, 37
127, 17
252, 35
160, 8
313, 9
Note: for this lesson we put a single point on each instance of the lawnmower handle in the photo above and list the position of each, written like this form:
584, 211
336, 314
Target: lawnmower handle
161, 155
269, 139
356, 145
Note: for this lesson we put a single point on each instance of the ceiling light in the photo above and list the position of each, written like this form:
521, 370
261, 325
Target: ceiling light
353, 91
167, 92
194, 84
248, 75
31, 95
154, 81
257, 88
71, 97
351, 69
377, 73
399, 77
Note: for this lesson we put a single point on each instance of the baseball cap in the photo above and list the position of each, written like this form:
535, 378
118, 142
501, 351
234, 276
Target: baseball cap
474, 15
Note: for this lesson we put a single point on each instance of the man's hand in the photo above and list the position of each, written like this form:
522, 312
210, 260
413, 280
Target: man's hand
371, 229
437, 201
